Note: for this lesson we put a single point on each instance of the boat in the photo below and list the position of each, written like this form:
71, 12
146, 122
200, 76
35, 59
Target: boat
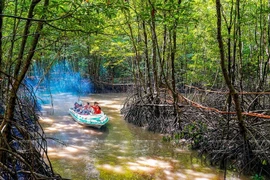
93, 120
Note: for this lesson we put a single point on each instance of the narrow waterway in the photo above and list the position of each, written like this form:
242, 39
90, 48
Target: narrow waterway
118, 151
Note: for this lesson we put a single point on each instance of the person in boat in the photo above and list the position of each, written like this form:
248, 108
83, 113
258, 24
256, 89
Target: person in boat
87, 109
87, 105
76, 106
79, 109
96, 108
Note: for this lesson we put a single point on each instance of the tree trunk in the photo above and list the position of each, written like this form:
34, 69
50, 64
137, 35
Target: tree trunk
154, 49
226, 76
20, 72
2, 2
147, 61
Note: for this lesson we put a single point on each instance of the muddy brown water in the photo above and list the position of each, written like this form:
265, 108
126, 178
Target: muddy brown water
117, 151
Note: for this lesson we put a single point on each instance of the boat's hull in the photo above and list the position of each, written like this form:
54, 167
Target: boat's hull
96, 120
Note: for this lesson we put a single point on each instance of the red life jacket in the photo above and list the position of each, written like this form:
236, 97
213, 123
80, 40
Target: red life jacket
97, 109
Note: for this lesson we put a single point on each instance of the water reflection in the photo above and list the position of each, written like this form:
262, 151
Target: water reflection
117, 151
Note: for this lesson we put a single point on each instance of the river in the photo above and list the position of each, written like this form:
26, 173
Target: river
118, 151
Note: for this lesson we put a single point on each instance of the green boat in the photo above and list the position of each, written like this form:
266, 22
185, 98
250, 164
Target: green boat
93, 120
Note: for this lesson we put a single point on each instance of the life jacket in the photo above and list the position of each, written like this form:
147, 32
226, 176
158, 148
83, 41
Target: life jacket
97, 109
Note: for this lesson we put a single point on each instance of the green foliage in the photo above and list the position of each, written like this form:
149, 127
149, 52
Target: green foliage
166, 138
257, 177
105, 24
84, 30
175, 138
194, 131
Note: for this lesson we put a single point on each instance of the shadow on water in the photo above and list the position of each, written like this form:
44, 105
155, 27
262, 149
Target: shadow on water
117, 151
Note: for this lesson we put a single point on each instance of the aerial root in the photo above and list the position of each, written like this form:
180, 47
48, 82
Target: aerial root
216, 136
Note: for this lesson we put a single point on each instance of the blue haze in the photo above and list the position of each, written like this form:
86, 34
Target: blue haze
60, 79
